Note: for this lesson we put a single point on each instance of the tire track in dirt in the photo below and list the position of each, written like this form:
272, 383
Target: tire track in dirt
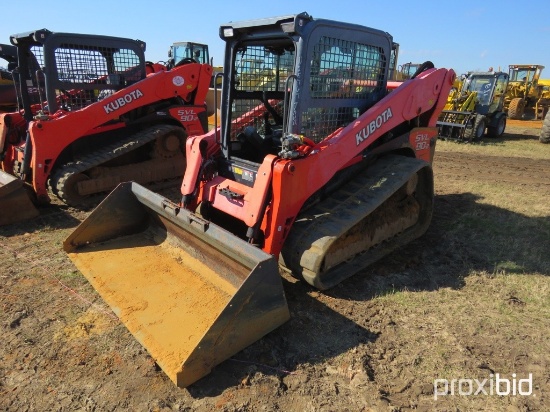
497, 169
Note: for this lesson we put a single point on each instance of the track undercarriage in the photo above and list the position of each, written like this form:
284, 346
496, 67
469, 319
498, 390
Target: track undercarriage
80, 182
385, 207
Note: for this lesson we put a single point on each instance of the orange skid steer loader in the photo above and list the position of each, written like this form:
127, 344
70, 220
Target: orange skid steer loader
316, 170
94, 113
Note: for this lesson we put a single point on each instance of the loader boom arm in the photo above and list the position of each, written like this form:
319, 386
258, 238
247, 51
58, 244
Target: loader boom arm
423, 96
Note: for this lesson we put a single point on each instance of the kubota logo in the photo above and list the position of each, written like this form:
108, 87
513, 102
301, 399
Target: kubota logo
373, 126
122, 101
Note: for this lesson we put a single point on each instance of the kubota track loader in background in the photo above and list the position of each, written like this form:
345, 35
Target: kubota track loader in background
94, 114
317, 169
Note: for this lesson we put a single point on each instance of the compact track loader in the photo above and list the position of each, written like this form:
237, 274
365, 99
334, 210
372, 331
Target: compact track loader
94, 113
316, 169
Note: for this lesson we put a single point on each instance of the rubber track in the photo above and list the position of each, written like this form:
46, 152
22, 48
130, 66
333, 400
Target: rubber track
104, 155
316, 230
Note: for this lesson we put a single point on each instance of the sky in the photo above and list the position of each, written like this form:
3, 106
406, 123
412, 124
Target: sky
465, 35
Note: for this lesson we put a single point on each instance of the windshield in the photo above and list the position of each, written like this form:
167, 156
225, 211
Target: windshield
521, 75
196, 52
483, 85
409, 69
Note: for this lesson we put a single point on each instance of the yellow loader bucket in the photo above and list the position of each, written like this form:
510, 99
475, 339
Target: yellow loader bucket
190, 292
15, 201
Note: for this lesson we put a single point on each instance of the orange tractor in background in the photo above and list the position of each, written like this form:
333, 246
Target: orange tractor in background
318, 171
93, 113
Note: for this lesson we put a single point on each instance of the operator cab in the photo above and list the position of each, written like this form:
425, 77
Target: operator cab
71, 71
295, 76
524, 73
257, 107
490, 88
408, 70
187, 52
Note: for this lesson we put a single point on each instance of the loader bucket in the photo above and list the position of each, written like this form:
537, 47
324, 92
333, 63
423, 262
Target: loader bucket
15, 200
190, 292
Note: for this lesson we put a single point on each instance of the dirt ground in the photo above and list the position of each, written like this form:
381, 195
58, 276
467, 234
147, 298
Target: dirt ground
455, 304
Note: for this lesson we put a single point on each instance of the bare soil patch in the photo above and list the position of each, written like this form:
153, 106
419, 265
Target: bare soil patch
469, 300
